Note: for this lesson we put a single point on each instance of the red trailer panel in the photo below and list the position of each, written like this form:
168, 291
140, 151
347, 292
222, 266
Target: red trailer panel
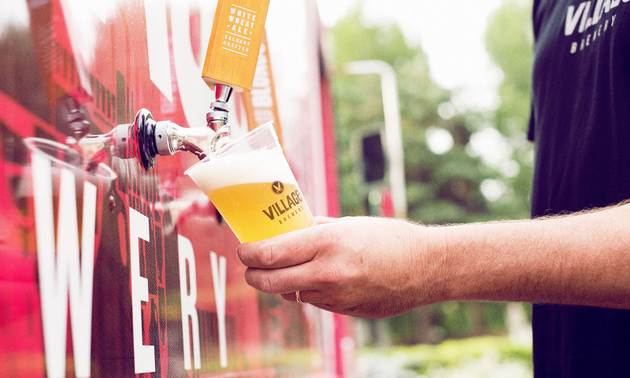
112, 270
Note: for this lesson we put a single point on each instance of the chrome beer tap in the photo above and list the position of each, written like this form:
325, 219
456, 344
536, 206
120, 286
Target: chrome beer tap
165, 138
225, 70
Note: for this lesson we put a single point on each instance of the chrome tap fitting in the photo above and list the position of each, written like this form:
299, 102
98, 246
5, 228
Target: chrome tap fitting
217, 117
165, 138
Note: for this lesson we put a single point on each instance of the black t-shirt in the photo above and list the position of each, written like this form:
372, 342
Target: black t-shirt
581, 128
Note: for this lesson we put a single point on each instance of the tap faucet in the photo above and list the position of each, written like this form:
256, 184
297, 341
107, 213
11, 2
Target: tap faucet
155, 138
165, 138
217, 117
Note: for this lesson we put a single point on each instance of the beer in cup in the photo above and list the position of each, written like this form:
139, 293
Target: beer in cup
250, 183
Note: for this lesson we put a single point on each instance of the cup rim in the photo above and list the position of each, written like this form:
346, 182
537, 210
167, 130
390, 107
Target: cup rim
250, 135
104, 171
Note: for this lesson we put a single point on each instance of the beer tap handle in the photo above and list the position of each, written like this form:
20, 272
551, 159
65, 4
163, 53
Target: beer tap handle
230, 64
234, 44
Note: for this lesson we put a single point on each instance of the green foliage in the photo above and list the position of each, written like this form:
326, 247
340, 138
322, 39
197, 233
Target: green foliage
441, 188
446, 188
452, 353
509, 41
433, 323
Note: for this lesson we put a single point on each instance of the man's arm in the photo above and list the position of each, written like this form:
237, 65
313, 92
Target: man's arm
580, 259
376, 267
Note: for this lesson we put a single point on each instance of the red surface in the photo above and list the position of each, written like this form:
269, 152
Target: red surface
110, 79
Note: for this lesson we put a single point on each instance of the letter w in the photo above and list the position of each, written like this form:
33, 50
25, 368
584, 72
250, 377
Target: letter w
60, 273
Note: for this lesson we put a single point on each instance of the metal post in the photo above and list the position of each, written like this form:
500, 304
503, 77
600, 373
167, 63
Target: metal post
393, 132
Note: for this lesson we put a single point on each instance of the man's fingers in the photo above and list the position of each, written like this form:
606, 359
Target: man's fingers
276, 281
319, 299
306, 296
286, 282
291, 297
269, 254
325, 220
279, 252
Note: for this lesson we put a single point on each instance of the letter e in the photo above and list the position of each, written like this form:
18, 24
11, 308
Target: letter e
144, 356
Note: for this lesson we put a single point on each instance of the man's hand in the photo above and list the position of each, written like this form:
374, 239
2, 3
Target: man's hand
366, 267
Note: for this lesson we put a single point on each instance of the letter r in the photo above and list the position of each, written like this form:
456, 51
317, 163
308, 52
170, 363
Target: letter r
189, 301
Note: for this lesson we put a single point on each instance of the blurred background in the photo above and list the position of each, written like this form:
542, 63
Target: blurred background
463, 75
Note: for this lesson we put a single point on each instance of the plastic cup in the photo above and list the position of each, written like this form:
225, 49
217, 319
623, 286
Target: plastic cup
251, 184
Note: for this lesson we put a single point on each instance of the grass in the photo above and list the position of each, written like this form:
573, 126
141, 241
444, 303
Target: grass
473, 357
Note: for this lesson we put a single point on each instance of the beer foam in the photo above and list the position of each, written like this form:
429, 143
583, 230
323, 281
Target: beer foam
252, 167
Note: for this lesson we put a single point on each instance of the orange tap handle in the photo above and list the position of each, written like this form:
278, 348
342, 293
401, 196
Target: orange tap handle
235, 43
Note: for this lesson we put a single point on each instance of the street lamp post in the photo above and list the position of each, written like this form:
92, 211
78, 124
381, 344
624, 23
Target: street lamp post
393, 132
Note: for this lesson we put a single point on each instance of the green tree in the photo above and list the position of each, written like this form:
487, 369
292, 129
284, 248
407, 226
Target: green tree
509, 40
445, 187
440, 188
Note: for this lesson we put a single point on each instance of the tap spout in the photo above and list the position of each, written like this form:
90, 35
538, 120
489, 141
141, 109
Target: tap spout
165, 138
171, 138
217, 117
